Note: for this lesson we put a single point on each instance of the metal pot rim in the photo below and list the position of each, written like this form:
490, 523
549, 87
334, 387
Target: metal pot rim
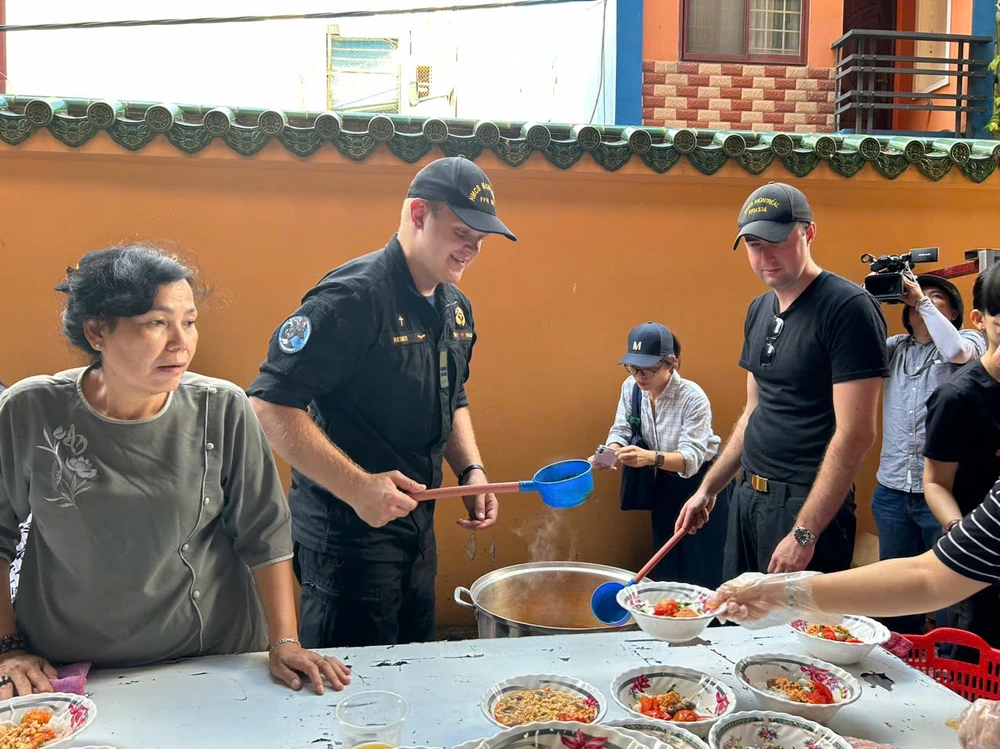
516, 570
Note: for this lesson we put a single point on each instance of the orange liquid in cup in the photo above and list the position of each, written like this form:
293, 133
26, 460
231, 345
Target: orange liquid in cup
374, 745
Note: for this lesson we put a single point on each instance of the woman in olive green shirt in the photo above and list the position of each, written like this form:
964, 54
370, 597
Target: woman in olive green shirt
159, 526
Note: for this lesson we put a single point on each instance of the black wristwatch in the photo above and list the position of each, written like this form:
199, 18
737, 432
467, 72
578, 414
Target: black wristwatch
467, 471
659, 459
803, 536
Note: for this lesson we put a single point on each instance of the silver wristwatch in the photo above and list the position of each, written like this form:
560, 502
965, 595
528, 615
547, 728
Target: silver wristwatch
803, 536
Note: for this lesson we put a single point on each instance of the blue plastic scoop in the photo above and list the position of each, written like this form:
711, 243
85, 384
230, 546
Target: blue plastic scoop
562, 485
604, 601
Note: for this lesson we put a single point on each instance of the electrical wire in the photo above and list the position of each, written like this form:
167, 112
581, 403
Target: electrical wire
600, 83
279, 17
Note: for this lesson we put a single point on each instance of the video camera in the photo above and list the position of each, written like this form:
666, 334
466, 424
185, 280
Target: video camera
886, 281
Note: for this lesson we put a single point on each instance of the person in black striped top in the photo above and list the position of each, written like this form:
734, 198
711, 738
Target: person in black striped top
972, 549
965, 561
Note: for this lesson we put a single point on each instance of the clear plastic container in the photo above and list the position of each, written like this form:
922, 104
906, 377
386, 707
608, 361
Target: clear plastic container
372, 720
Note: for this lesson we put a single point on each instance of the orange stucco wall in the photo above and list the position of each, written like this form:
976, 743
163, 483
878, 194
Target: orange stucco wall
961, 23
598, 253
662, 24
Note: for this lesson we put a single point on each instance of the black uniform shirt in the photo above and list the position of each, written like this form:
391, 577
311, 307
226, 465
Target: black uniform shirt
382, 370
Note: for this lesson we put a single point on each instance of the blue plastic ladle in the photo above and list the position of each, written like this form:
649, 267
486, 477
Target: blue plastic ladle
604, 601
562, 485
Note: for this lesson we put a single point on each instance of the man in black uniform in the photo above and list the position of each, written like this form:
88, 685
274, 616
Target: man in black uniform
815, 354
379, 354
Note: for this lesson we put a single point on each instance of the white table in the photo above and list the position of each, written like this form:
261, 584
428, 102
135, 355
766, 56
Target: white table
232, 702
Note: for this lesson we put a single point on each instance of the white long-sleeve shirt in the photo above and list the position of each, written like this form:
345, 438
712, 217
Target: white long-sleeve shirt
683, 422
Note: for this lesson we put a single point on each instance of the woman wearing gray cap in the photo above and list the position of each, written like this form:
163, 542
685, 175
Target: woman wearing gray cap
663, 437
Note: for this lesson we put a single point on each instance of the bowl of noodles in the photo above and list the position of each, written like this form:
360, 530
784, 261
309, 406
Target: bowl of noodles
44, 721
672, 695
672, 612
845, 642
543, 698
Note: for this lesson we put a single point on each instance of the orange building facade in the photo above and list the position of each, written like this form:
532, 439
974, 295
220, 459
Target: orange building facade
710, 81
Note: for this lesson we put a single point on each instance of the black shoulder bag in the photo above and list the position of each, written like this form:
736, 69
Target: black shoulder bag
637, 483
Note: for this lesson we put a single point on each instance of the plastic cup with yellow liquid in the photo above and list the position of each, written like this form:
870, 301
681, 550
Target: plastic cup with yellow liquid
372, 720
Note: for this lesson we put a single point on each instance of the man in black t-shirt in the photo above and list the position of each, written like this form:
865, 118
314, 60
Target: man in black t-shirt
814, 350
962, 450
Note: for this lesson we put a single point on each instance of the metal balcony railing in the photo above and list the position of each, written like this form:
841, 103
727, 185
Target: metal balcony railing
866, 78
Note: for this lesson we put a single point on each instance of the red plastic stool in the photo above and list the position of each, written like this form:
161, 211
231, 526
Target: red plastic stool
970, 680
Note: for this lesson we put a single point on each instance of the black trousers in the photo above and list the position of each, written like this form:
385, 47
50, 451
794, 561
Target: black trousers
758, 521
352, 602
696, 559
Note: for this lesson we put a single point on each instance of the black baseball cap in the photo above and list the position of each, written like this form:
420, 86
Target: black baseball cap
465, 188
927, 281
772, 211
648, 344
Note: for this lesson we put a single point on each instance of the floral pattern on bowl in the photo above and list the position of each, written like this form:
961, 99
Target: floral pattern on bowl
764, 729
71, 713
709, 695
755, 671
589, 694
870, 632
667, 628
564, 735
670, 734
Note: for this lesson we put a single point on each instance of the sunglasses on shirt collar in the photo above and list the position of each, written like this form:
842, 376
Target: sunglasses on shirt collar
767, 353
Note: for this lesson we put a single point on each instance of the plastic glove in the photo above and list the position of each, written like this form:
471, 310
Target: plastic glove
979, 726
759, 601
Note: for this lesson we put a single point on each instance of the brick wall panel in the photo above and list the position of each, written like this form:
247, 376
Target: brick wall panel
729, 95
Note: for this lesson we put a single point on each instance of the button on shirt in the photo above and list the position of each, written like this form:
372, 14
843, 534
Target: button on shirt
915, 371
382, 372
682, 424
126, 563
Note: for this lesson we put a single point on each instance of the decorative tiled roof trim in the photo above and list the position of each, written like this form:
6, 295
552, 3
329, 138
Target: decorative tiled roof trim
133, 125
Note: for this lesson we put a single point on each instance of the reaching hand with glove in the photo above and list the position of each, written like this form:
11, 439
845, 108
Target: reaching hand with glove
979, 727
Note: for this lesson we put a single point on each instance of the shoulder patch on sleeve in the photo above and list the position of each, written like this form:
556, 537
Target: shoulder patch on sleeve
293, 335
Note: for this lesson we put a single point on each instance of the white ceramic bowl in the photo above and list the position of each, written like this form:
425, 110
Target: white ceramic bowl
755, 670
556, 683
709, 695
870, 632
670, 734
757, 729
71, 713
563, 735
667, 628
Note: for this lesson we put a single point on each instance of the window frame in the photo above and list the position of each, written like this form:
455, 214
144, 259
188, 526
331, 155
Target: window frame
800, 59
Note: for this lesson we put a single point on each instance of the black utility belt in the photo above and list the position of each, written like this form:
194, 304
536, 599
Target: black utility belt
768, 486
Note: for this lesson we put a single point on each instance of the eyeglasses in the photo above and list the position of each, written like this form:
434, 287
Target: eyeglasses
645, 372
773, 332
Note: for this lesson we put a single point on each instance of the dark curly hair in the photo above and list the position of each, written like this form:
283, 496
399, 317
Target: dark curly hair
114, 283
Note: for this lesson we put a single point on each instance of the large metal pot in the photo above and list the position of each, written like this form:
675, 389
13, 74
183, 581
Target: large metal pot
539, 598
